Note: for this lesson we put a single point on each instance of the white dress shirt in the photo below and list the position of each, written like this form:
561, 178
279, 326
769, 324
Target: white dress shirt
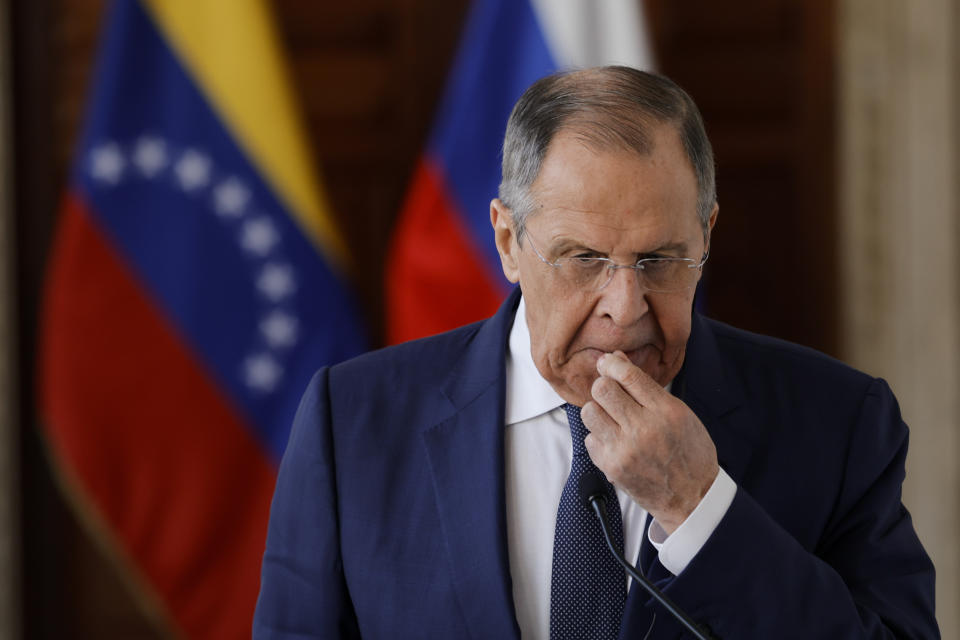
538, 452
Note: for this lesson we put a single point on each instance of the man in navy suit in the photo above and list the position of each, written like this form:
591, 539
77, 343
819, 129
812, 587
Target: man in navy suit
423, 493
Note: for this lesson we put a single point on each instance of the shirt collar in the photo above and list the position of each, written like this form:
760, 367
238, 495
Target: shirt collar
527, 395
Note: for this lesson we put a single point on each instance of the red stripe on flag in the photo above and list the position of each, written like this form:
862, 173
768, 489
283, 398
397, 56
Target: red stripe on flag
436, 279
151, 442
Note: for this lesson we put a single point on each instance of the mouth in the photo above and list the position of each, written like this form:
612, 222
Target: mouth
637, 356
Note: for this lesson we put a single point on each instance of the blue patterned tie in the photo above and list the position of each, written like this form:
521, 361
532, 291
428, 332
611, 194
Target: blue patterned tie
588, 588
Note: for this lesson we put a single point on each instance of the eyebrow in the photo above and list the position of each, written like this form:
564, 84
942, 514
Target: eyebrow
680, 247
566, 244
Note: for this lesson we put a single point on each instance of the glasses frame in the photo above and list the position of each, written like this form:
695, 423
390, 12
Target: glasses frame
611, 266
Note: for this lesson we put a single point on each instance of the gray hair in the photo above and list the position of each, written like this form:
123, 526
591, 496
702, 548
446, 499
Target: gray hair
608, 107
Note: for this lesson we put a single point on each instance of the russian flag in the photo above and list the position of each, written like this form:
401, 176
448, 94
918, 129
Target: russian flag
196, 284
443, 270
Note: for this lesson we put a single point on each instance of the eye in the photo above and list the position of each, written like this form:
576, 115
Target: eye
586, 258
652, 256
656, 264
586, 262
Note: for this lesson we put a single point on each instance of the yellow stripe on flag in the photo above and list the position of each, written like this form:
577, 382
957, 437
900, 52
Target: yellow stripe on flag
232, 49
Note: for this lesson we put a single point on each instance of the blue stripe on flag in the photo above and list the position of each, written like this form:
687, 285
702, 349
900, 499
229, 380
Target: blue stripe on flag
503, 52
214, 247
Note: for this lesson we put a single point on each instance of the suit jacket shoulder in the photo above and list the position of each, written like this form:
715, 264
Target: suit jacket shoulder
759, 356
774, 393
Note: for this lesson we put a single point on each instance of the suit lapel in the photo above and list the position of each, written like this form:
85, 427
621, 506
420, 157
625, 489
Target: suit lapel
466, 458
717, 398
715, 394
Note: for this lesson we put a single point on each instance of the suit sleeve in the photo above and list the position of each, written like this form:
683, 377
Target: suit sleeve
867, 578
302, 589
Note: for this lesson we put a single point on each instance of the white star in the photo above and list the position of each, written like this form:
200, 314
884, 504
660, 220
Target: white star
276, 281
262, 372
193, 170
107, 163
259, 236
230, 197
150, 156
280, 329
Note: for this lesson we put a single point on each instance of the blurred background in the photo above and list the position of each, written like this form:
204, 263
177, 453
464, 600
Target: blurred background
835, 129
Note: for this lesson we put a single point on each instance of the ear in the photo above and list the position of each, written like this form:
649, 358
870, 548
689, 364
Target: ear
503, 234
713, 214
713, 221
710, 223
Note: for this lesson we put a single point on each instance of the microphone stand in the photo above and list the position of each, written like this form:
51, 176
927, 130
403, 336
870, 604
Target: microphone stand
592, 491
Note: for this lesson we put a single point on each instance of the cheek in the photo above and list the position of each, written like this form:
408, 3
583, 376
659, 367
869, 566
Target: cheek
554, 318
673, 316
564, 319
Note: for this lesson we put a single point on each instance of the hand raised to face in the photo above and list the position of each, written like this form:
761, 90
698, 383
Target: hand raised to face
648, 442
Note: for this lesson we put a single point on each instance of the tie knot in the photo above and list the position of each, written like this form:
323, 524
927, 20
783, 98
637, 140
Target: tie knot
577, 429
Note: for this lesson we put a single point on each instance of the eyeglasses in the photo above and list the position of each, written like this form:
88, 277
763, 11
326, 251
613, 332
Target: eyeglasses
659, 275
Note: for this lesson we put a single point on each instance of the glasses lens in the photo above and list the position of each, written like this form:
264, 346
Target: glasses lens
658, 275
588, 273
668, 275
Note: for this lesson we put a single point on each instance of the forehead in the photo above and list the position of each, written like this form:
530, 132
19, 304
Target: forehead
617, 197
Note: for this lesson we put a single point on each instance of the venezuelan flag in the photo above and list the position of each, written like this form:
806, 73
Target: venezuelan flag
443, 270
196, 284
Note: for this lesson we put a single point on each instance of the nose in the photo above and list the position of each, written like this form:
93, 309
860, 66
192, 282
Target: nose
624, 299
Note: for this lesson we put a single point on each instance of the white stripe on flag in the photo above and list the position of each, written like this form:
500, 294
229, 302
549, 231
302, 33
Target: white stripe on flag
588, 33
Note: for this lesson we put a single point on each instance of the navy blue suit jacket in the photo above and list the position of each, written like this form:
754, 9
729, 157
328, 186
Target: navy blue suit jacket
388, 519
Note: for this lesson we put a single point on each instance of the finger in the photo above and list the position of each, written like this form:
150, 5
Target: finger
632, 378
604, 432
599, 422
614, 399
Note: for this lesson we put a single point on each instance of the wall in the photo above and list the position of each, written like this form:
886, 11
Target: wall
899, 267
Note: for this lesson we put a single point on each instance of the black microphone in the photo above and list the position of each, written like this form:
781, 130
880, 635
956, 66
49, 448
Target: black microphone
593, 492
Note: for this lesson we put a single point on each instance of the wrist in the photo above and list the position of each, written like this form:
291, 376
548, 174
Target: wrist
677, 513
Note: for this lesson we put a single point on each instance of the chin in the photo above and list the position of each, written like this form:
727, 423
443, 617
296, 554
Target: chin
575, 380
577, 393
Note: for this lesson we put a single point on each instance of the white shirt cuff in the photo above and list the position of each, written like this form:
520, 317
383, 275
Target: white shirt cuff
678, 549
